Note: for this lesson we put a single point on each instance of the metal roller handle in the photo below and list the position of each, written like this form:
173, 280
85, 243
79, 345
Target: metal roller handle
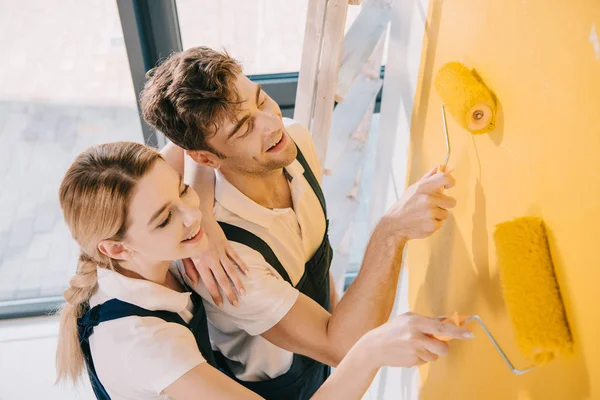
504, 357
448, 150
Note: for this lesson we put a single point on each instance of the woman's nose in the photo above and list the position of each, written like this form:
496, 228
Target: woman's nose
190, 215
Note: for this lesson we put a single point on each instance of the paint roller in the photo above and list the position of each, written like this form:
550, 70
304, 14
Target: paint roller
531, 290
531, 293
468, 100
528, 281
466, 97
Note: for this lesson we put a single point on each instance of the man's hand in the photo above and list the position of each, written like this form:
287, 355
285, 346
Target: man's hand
217, 266
406, 340
423, 207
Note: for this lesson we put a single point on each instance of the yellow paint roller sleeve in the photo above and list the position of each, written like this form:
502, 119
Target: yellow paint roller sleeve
531, 290
466, 97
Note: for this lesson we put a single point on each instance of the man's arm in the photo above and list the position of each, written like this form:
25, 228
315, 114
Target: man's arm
334, 297
308, 329
275, 310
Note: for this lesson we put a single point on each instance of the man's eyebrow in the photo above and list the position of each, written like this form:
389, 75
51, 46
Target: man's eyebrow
165, 206
245, 118
258, 90
238, 125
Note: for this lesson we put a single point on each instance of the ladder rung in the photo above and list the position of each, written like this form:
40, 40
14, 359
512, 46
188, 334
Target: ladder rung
359, 42
348, 115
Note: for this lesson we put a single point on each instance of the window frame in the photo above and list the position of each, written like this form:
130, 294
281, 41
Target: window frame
151, 32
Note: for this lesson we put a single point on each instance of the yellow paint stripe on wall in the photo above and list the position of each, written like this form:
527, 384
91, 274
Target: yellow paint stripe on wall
542, 60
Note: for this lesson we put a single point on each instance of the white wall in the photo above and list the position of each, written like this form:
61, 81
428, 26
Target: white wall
27, 356
401, 76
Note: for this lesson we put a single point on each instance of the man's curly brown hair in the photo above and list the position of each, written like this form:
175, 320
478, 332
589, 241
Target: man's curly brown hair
190, 94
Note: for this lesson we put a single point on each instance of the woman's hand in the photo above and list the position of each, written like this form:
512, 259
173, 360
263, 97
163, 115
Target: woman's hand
407, 341
217, 266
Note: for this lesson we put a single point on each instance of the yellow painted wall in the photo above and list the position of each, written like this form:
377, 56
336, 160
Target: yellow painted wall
543, 159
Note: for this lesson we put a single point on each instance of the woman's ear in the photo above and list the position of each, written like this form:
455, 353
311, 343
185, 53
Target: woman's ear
115, 250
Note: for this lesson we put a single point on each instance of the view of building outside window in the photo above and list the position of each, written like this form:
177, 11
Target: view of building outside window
64, 85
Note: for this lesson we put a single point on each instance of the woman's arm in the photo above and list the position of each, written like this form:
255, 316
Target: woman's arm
353, 376
174, 156
349, 381
202, 180
217, 265
206, 382
405, 341
199, 177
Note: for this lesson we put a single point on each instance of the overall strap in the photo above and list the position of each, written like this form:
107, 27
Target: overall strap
247, 238
110, 310
199, 327
312, 180
115, 309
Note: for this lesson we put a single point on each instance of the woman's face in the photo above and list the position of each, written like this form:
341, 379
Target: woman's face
164, 218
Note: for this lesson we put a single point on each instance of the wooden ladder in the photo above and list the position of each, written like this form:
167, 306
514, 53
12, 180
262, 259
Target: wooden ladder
344, 69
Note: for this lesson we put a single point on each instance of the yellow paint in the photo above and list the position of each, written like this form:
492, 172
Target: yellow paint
543, 159
530, 289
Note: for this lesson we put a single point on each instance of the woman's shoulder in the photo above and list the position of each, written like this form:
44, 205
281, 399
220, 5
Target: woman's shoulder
142, 353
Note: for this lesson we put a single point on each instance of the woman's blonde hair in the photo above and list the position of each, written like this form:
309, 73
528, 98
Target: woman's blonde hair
94, 196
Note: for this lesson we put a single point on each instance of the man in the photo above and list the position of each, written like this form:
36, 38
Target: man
269, 203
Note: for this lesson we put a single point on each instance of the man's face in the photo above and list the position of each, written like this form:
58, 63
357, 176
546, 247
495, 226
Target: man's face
257, 142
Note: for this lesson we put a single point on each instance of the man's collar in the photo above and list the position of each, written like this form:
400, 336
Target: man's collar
238, 203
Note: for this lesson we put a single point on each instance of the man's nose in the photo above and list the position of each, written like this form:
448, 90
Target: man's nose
271, 122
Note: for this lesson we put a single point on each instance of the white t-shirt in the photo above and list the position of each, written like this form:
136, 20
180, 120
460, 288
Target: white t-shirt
138, 357
294, 235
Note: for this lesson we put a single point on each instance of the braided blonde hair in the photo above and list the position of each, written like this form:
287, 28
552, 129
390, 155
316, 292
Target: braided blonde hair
94, 197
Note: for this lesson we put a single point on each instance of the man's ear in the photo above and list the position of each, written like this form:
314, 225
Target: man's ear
205, 158
115, 250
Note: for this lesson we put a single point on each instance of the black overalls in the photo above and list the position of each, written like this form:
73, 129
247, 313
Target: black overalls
114, 309
305, 375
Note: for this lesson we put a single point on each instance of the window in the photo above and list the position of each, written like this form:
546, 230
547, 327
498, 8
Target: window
265, 35
66, 85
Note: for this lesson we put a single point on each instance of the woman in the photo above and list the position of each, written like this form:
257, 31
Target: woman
129, 319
